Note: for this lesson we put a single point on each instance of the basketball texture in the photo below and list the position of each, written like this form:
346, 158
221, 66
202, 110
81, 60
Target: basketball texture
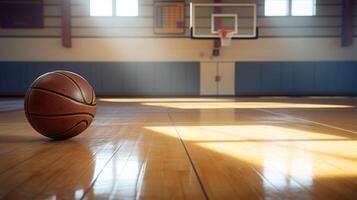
60, 104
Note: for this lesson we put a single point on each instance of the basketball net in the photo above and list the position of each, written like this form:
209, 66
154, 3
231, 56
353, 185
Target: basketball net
226, 36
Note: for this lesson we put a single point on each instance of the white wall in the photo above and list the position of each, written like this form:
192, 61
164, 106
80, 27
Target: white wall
132, 39
184, 49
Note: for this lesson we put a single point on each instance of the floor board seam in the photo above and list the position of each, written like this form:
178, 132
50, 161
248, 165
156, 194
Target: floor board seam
96, 178
190, 159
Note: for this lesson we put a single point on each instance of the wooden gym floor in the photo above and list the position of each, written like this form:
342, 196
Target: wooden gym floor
258, 148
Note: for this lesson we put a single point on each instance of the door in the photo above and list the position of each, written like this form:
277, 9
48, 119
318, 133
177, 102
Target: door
217, 78
226, 73
208, 72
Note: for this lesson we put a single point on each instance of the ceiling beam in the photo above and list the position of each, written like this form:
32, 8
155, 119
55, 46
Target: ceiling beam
66, 24
347, 23
217, 42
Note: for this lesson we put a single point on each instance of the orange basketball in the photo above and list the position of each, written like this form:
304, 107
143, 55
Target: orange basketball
60, 104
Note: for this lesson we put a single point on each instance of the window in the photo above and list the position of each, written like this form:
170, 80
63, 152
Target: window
101, 8
106, 7
276, 8
127, 8
290, 7
303, 8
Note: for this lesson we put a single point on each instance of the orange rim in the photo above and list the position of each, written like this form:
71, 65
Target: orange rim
224, 32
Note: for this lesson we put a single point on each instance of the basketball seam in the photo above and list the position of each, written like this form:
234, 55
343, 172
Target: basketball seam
74, 126
92, 96
80, 90
60, 115
58, 93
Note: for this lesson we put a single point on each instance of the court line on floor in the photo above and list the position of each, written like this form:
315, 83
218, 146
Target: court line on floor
310, 121
189, 158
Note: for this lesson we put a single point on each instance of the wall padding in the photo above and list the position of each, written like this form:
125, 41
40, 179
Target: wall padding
110, 78
296, 78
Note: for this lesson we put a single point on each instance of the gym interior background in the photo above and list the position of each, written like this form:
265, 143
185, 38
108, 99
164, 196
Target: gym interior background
176, 116
122, 56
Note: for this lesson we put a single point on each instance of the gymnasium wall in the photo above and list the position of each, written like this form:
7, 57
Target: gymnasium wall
132, 38
110, 78
296, 78
327, 22
99, 42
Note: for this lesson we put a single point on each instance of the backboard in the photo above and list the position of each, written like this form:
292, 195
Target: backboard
207, 18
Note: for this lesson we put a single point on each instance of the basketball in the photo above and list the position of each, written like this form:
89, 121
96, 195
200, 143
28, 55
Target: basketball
60, 104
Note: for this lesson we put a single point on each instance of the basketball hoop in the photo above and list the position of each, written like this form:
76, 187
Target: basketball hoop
226, 36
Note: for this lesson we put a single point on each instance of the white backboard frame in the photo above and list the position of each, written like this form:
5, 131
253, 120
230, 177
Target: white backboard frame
194, 35
214, 15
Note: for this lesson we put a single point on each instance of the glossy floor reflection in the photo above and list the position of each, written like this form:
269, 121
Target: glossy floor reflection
188, 149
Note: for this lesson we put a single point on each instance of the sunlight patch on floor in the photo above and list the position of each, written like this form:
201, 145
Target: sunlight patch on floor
300, 154
241, 105
141, 100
